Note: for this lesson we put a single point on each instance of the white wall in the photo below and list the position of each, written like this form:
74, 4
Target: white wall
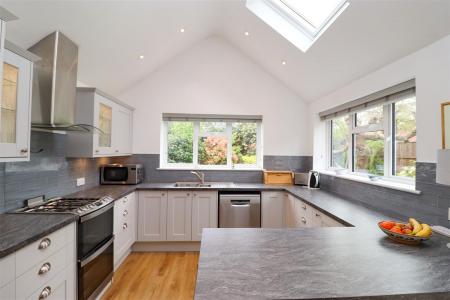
214, 77
430, 67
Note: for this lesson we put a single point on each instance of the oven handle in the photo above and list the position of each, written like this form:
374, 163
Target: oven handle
96, 253
96, 213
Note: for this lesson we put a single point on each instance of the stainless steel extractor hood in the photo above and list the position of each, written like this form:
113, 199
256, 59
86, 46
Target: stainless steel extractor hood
55, 84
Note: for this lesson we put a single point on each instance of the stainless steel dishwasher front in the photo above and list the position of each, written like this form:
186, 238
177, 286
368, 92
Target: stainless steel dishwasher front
240, 210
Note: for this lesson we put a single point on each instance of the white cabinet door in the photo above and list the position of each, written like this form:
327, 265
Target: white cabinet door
179, 216
204, 212
103, 120
122, 130
273, 210
15, 104
152, 216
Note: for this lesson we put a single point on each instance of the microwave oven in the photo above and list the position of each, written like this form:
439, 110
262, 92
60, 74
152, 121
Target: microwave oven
121, 174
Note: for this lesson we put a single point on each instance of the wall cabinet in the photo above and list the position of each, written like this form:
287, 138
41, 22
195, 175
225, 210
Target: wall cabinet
176, 215
152, 216
125, 227
273, 212
15, 107
37, 271
204, 212
114, 120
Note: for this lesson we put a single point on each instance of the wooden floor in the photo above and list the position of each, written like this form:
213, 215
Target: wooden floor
155, 276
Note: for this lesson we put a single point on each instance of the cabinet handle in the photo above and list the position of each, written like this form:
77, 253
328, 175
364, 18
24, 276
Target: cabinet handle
317, 215
125, 199
125, 212
187, 194
96, 151
45, 268
303, 220
23, 151
45, 293
45, 243
125, 225
304, 206
163, 194
117, 151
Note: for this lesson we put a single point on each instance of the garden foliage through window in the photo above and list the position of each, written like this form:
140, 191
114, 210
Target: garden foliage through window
379, 140
211, 143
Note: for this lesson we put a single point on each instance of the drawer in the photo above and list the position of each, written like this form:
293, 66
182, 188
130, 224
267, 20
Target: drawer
57, 288
41, 273
43, 248
8, 291
7, 269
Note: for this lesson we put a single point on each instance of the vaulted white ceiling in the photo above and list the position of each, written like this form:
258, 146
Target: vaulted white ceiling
113, 34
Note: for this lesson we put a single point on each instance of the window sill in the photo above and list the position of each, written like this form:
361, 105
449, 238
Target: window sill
404, 187
206, 169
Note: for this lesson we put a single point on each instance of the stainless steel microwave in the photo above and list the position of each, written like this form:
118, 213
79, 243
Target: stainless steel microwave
121, 174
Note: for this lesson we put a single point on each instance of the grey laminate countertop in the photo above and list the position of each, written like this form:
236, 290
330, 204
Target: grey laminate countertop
19, 230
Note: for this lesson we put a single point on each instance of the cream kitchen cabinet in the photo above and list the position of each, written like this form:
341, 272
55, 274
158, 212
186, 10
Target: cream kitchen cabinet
113, 120
45, 269
273, 211
15, 103
204, 212
152, 216
125, 226
179, 216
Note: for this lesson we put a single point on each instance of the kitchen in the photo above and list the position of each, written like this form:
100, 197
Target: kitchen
250, 159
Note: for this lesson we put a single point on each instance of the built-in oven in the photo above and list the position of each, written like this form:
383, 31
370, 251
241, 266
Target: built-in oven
95, 252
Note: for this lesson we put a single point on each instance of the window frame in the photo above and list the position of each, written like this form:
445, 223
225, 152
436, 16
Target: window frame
195, 165
387, 125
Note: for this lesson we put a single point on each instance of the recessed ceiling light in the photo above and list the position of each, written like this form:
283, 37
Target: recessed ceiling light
283, 62
246, 33
181, 30
141, 56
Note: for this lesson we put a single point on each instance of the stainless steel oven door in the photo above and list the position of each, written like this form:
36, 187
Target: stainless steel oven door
94, 230
95, 271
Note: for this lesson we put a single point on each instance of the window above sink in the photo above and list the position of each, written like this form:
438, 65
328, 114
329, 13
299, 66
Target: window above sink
219, 142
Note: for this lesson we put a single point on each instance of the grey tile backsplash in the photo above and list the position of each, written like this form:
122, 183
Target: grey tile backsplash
430, 206
51, 174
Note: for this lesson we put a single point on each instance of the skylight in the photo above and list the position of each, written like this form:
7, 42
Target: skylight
300, 21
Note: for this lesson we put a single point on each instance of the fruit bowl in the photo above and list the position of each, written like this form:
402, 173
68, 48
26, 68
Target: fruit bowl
403, 238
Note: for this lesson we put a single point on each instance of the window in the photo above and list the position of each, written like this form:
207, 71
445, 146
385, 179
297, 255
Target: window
299, 21
220, 142
380, 140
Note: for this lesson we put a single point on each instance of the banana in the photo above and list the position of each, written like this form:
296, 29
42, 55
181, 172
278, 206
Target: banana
425, 232
416, 225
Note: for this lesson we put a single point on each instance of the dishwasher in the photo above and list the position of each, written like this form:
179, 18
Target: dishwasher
240, 210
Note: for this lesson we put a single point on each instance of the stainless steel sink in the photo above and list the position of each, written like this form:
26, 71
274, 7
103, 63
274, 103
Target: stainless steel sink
192, 184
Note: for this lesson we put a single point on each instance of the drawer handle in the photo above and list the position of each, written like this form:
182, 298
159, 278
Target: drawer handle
45, 293
125, 225
163, 194
303, 220
23, 151
304, 206
117, 151
96, 151
45, 268
45, 243
125, 199
125, 212
317, 215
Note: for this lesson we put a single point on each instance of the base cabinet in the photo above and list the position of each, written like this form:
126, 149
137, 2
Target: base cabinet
45, 269
204, 212
125, 212
176, 215
152, 216
273, 210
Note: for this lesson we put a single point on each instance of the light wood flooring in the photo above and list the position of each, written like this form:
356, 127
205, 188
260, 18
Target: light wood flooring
165, 275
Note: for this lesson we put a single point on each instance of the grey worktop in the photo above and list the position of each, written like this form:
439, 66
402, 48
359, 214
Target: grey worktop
19, 230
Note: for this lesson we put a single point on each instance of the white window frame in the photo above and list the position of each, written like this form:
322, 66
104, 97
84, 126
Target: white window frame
386, 126
164, 164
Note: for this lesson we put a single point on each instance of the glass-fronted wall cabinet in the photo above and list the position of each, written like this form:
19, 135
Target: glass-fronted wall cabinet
15, 104
112, 119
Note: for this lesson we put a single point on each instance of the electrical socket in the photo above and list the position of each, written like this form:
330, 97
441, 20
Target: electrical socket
81, 181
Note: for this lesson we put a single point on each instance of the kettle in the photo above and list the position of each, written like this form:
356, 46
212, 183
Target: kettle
313, 180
